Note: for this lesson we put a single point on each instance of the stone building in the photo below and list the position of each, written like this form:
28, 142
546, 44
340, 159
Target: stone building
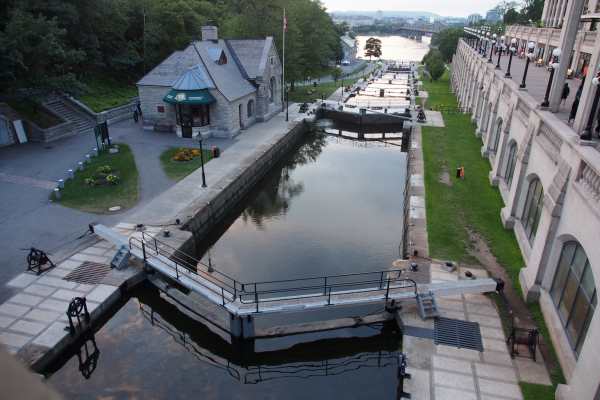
214, 87
350, 48
548, 174
548, 38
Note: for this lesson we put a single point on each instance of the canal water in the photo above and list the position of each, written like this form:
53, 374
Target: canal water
333, 206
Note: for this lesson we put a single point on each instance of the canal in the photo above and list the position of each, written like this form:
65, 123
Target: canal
332, 206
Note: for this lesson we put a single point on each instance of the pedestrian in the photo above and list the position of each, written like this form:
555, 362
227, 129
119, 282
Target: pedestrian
565, 93
575, 105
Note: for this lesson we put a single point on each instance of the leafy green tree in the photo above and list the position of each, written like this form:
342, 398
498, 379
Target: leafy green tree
34, 52
434, 62
446, 41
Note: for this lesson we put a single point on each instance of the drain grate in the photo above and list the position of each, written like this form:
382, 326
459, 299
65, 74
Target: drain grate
457, 333
90, 273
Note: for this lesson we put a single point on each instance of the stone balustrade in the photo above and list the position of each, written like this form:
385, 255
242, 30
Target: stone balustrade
590, 181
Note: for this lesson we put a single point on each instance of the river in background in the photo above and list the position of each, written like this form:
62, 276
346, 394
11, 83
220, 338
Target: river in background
397, 48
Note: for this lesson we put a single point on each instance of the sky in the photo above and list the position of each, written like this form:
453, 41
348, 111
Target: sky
449, 8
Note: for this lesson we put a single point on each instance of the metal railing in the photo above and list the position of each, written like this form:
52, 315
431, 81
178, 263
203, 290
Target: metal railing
383, 282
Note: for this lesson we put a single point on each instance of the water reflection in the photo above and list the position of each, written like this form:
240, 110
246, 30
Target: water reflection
334, 206
279, 186
157, 351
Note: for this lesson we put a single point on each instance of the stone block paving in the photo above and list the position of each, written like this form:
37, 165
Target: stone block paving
37, 313
433, 119
468, 374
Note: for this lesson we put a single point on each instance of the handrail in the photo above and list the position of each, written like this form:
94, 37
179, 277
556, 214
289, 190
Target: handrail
231, 290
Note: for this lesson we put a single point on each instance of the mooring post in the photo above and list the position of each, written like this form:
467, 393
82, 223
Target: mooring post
235, 326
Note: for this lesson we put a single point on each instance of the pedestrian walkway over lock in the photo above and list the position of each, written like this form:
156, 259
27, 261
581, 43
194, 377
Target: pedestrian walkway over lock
311, 293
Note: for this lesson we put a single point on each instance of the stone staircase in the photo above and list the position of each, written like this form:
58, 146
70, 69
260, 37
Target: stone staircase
62, 107
427, 306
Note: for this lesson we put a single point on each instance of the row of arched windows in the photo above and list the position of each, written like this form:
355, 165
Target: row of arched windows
573, 290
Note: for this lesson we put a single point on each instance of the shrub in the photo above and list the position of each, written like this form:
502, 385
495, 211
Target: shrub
185, 154
112, 179
104, 169
91, 181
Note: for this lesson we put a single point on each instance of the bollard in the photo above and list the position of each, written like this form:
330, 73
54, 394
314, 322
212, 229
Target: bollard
61, 183
95, 152
70, 174
57, 193
88, 158
80, 166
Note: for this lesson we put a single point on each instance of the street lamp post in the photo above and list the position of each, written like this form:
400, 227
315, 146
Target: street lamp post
587, 131
553, 65
202, 160
512, 50
492, 48
500, 48
530, 49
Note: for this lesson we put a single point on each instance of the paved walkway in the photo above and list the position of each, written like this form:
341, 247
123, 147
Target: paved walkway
166, 207
537, 82
29, 172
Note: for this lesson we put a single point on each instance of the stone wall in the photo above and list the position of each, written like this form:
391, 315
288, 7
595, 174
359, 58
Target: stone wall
264, 105
550, 150
37, 134
224, 115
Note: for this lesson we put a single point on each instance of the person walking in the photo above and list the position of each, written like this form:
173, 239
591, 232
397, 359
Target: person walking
565, 93
575, 105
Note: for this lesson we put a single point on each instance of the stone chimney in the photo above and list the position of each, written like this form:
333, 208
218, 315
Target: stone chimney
210, 32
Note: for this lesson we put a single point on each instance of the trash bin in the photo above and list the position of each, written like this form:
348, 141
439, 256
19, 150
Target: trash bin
216, 152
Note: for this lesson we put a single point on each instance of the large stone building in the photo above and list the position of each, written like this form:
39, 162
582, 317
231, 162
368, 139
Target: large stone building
548, 174
213, 87
548, 38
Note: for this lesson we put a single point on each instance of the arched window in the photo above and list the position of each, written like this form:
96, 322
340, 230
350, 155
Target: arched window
495, 139
533, 208
250, 108
574, 293
511, 161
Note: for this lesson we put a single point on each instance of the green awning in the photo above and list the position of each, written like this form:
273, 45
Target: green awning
189, 97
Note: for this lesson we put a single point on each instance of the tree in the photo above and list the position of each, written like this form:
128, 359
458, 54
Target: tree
35, 53
512, 16
434, 62
373, 48
336, 73
446, 41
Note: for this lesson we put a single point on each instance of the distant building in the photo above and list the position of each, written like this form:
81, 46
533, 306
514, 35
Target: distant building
350, 48
493, 16
474, 18
213, 87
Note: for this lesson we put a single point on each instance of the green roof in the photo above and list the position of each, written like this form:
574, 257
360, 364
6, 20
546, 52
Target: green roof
193, 97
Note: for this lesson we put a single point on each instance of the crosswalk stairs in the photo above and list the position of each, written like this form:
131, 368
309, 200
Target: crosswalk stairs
427, 305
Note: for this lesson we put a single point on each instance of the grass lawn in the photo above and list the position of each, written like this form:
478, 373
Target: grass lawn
104, 93
32, 111
178, 170
308, 94
469, 204
99, 198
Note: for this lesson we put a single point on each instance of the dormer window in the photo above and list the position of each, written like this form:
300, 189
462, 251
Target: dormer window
222, 59
217, 55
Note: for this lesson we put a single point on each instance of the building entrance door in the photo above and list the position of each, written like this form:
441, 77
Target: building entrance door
186, 120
